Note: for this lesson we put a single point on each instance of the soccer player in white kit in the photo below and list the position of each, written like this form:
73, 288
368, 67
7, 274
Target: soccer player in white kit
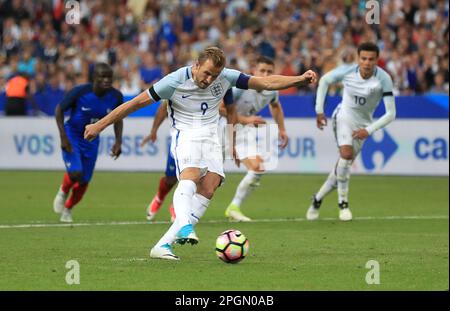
365, 84
194, 94
248, 143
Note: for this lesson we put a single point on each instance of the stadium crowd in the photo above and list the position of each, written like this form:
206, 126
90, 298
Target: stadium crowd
146, 39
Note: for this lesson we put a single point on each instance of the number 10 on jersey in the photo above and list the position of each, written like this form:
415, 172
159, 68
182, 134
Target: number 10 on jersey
360, 100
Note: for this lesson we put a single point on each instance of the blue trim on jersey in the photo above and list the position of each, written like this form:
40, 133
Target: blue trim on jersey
172, 112
153, 94
228, 98
176, 158
242, 81
187, 73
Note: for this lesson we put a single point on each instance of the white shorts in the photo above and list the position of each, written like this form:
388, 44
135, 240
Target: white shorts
343, 128
223, 137
198, 148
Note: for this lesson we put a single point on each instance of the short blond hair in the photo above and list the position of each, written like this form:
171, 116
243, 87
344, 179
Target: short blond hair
213, 53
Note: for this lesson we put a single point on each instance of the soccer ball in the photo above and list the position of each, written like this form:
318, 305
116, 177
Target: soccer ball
232, 246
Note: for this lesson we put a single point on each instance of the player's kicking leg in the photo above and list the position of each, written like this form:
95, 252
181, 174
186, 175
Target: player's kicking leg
186, 234
249, 183
181, 231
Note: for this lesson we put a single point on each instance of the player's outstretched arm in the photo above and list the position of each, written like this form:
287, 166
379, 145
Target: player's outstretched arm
160, 116
278, 82
138, 102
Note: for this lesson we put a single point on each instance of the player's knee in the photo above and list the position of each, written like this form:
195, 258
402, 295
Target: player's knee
76, 176
255, 166
347, 154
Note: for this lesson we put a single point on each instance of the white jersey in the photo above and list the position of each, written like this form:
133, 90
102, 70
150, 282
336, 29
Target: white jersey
191, 107
251, 102
361, 96
251, 141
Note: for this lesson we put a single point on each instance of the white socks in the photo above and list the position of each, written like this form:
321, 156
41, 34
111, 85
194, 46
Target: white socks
182, 202
329, 185
199, 206
246, 186
343, 177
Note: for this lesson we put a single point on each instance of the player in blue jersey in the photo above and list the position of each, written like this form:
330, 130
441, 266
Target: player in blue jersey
365, 84
195, 93
87, 104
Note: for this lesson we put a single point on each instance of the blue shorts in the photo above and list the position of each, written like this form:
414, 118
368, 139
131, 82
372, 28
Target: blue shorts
171, 169
83, 156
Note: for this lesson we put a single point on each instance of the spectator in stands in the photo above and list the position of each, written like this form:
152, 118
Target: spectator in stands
17, 94
150, 70
27, 62
440, 87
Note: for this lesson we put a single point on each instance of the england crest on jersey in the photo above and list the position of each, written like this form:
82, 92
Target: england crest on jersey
216, 89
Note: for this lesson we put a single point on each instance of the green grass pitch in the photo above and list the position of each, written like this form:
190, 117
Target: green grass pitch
286, 251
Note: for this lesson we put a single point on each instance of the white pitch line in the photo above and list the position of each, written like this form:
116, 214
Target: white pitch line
126, 223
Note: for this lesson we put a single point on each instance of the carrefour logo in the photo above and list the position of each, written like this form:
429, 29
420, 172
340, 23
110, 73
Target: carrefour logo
386, 146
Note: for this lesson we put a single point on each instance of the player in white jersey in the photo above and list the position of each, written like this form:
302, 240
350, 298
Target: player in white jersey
248, 143
170, 178
365, 84
194, 94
